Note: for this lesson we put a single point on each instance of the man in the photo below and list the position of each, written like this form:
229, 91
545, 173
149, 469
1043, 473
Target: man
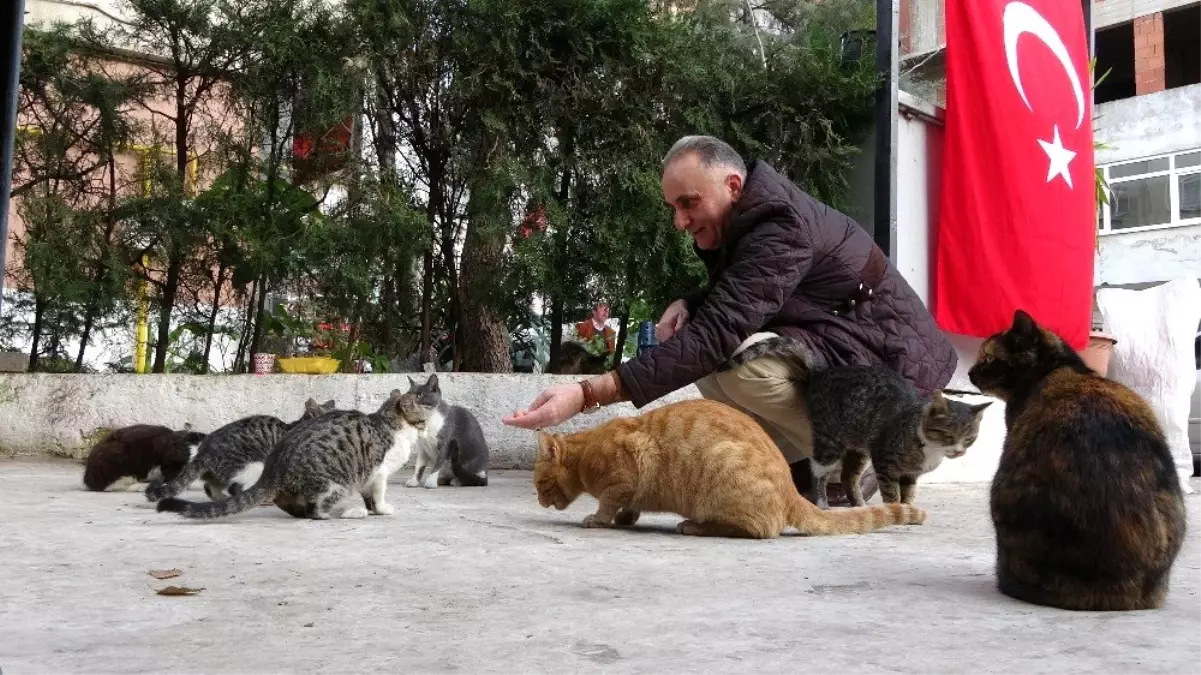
595, 325
780, 263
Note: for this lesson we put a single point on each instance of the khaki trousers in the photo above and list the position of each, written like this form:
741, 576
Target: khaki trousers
766, 389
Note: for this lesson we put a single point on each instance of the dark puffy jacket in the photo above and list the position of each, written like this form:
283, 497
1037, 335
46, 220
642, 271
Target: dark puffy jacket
788, 264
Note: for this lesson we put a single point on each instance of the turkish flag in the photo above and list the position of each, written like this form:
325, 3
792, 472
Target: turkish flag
1017, 218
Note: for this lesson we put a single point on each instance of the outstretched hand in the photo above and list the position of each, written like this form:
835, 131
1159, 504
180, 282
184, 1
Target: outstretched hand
554, 405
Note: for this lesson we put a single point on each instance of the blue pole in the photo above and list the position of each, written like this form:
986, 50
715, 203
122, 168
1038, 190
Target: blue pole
11, 21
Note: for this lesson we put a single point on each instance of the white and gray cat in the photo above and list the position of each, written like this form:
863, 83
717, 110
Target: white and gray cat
867, 412
231, 458
452, 445
320, 462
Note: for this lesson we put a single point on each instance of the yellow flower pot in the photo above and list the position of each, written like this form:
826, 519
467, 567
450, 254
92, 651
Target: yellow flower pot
309, 365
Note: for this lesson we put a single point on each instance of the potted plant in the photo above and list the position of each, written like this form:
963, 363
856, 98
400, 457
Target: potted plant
318, 358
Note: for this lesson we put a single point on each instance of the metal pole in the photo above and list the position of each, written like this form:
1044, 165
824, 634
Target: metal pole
1089, 36
11, 20
885, 180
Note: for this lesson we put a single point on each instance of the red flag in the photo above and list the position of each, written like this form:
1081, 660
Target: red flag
1017, 222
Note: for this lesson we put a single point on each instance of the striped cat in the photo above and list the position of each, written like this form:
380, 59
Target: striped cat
231, 458
320, 462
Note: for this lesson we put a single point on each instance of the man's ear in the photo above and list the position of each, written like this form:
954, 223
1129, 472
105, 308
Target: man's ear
734, 185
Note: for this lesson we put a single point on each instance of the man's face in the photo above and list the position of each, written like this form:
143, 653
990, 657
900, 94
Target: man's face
601, 313
703, 198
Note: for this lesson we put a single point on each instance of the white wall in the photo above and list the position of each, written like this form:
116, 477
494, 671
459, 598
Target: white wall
1152, 124
1149, 256
1110, 12
1145, 126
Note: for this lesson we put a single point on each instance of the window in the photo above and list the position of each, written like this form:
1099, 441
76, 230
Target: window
1181, 46
1115, 55
1153, 193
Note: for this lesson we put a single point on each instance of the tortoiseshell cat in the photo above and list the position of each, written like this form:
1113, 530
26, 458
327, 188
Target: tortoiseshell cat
1086, 503
701, 459
870, 412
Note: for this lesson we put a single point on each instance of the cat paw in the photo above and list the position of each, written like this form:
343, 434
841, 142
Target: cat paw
430, 484
355, 512
591, 520
626, 518
689, 527
412, 482
385, 509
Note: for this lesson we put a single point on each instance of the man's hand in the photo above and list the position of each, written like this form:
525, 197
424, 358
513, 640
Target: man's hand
554, 405
672, 321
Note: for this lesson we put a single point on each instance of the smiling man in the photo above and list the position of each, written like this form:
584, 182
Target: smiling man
780, 264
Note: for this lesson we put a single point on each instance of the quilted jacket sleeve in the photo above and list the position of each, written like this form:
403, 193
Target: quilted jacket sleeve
765, 267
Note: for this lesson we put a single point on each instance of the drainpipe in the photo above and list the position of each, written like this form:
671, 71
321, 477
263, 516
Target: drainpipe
885, 175
11, 19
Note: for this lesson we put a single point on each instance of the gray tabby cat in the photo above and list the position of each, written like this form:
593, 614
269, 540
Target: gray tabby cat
862, 412
320, 462
231, 458
452, 444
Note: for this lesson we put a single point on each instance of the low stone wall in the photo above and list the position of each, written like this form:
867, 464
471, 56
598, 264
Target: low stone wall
63, 415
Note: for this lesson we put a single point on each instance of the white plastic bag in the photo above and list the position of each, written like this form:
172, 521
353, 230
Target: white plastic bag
1155, 329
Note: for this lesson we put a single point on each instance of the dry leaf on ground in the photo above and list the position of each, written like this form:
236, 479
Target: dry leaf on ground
165, 574
178, 590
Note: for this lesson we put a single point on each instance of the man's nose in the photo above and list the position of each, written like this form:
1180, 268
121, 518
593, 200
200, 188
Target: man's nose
680, 221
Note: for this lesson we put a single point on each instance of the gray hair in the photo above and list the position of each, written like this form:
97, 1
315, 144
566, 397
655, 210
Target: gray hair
709, 150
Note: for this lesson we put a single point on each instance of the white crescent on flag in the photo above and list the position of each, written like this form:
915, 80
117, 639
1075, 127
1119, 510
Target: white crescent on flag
1019, 19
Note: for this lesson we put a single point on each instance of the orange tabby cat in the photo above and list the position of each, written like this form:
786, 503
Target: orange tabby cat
702, 459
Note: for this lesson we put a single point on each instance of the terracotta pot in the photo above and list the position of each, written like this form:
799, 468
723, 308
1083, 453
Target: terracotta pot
264, 364
1096, 354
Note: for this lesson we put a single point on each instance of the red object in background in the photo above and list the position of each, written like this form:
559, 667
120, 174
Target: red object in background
534, 221
323, 151
1017, 224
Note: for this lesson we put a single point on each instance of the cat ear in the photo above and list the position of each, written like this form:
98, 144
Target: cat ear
977, 410
412, 383
938, 402
329, 405
187, 426
432, 383
396, 393
1024, 324
311, 405
547, 446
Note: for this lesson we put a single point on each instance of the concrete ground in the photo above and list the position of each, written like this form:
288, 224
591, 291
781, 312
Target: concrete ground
484, 580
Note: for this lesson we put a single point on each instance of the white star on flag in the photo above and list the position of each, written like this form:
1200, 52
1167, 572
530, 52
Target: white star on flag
1059, 156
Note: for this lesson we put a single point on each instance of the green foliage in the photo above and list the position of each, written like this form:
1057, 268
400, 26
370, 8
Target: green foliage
504, 161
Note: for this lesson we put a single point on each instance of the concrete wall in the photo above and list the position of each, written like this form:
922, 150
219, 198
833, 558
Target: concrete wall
1143, 126
63, 415
1148, 256
1111, 12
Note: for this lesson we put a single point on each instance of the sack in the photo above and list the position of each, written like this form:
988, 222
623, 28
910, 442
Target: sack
1155, 329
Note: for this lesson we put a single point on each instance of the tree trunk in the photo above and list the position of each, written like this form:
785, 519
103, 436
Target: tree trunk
212, 325
482, 334
259, 312
85, 336
39, 314
243, 339
166, 308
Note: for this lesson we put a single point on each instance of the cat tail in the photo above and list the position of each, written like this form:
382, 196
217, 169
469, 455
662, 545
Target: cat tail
466, 478
257, 494
157, 489
789, 350
808, 519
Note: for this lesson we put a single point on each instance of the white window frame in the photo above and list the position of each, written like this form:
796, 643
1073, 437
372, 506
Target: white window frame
1172, 172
